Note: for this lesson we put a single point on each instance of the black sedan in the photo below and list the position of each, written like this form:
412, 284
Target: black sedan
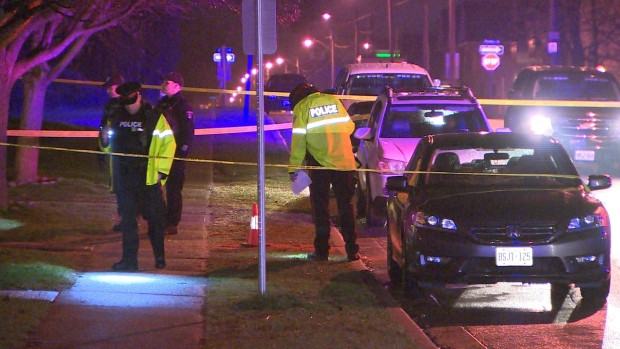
477, 208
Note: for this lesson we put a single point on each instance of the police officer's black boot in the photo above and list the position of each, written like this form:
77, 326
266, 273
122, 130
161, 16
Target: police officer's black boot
129, 261
125, 265
157, 242
160, 261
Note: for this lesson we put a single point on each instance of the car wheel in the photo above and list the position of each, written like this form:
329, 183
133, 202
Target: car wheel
558, 294
395, 272
373, 217
595, 295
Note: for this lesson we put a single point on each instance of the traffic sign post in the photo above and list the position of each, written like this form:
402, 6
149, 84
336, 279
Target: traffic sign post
497, 49
490, 61
223, 68
490, 53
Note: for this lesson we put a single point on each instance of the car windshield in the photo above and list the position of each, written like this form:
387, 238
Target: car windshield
417, 121
373, 84
513, 167
586, 88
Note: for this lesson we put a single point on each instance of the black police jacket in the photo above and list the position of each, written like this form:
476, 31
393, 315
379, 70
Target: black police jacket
180, 115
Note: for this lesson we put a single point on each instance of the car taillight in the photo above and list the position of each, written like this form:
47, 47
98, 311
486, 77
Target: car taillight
391, 165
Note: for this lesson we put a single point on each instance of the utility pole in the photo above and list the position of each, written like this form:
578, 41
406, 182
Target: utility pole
331, 53
553, 44
389, 23
452, 65
425, 42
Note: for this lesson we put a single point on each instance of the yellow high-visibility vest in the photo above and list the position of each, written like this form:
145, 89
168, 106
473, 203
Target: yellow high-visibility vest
161, 152
322, 127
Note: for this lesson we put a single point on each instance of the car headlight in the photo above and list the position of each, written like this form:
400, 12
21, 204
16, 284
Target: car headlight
599, 218
423, 220
391, 165
541, 125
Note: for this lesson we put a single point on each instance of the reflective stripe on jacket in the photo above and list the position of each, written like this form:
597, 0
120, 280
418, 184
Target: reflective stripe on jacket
322, 126
161, 151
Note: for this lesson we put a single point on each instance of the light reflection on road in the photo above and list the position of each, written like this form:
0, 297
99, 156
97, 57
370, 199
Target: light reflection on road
611, 199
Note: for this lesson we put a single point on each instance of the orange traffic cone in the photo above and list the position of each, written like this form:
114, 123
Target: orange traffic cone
253, 233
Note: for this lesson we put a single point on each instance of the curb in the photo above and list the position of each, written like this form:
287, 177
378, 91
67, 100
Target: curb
372, 279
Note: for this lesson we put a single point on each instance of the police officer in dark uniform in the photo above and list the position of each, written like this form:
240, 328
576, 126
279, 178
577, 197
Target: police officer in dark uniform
180, 116
140, 130
110, 111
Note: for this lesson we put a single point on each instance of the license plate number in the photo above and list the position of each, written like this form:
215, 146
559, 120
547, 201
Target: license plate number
584, 155
513, 256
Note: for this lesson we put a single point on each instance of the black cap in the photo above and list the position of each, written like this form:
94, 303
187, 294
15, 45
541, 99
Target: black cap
128, 88
174, 76
300, 92
113, 80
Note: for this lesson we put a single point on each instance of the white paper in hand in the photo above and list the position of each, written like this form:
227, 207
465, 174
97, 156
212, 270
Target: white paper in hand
301, 182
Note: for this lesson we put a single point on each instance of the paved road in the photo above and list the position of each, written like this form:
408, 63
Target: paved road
509, 315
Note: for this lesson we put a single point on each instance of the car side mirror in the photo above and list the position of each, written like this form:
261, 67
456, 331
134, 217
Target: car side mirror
364, 133
397, 184
596, 182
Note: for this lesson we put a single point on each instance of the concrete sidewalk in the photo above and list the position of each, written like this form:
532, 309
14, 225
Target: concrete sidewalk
151, 308
125, 310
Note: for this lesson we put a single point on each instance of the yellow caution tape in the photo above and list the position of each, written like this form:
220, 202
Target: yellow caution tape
483, 101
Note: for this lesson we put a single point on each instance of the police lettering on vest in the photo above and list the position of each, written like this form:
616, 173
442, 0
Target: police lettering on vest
323, 110
133, 125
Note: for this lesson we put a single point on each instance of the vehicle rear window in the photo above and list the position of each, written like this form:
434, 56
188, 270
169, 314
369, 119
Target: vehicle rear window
505, 166
419, 121
373, 84
575, 87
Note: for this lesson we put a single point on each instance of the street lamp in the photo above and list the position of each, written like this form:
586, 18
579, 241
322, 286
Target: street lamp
327, 17
308, 42
268, 67
281, 60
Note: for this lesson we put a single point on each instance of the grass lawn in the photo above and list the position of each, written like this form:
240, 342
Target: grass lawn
308, 305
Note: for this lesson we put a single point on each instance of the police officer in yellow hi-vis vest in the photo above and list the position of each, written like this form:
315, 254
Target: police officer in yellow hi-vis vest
140, 130
321, 138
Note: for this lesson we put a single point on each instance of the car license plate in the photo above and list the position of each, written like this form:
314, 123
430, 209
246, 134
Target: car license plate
513, 256
584, 155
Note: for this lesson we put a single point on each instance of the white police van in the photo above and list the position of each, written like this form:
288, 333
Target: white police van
369, 79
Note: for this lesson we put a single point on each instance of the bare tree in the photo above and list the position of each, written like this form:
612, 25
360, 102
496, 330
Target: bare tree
37, 31
601, 32
39, 38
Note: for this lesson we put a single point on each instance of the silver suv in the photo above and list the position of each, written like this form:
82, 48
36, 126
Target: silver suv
398, 120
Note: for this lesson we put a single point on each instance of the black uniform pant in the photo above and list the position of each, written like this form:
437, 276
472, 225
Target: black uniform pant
134, 197
343, 184
174, 187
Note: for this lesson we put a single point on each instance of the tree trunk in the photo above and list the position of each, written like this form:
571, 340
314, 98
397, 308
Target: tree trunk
27, 154
5, 92
572, 15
